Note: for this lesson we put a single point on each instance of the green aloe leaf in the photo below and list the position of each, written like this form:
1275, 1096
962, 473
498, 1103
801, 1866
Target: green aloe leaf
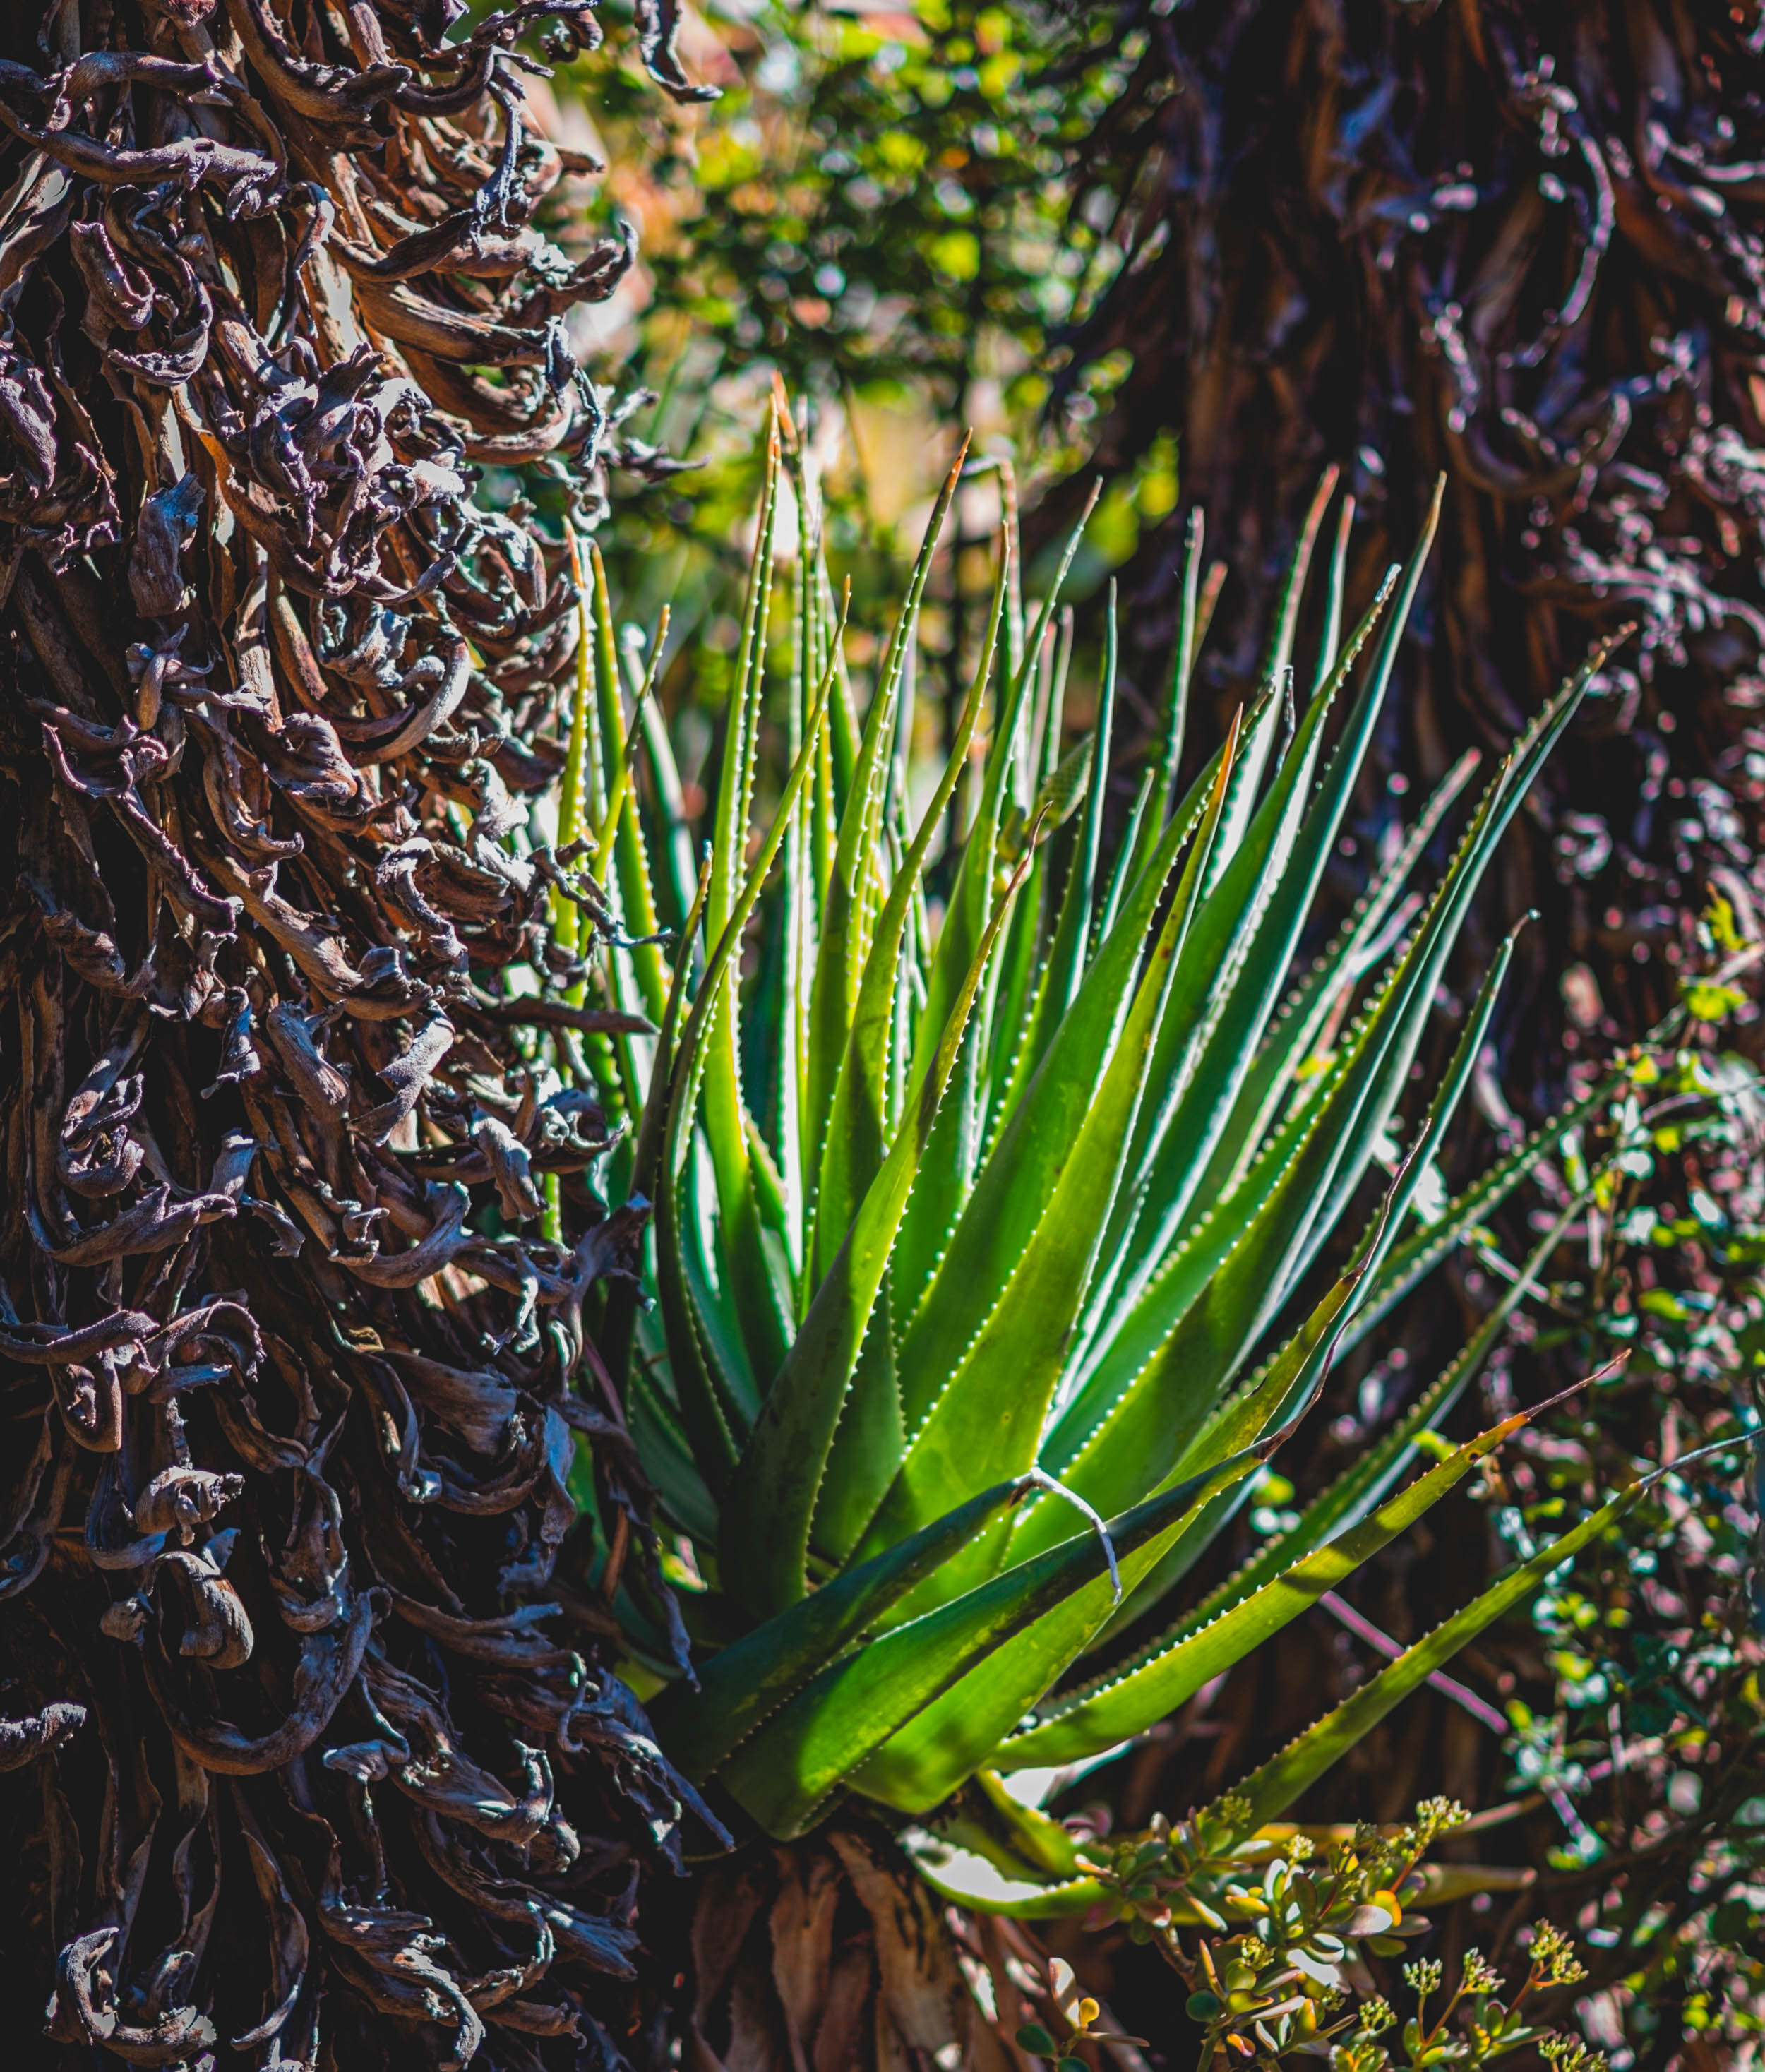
745, 1683
797, 947
1221, 1288
770, 1506
968, 1879
869, 1438
1263, 899
1068, 954
976, 1202
1269, 1792
1191, 628
1128, 1704
992, 1406
852, 895
971, 897
618, 1334
858, 1123
1360, 1486
1297, 1188
1336, 584
1422, 971
620, 840
784, 1773
960, 1731
1260, 738
1291, 1043
1243, 947
762, 1308
1130, 847
978, 1256
680, 868
1010, 1855
1018, 1837
711, 1402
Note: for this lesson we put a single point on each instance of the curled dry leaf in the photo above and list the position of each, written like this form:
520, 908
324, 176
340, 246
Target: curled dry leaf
305, 1764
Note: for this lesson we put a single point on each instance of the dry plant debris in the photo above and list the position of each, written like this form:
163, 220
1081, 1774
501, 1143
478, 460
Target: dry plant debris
309, 1751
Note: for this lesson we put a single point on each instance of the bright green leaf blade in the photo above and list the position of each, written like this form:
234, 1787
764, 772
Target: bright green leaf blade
1119, 878
1243, 943
744, 1684
1260, 737
1120, 1433
1358, 1486
709, 1400
994, 1404
1183, 648
618, 1332
858, 1124
968, 1880
959, 1733
763, 1310
1130, 1702
1018, 1837
1271, 1790
1292, 1036
1072, 936
680, 869
771, 1505
729, 822
785, 1773
844, 944
971, 897
1264, 898
1333, 596
1437, 937
1024, 1163
1299, 569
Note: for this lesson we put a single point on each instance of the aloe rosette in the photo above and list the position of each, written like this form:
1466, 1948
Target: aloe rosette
983, 1194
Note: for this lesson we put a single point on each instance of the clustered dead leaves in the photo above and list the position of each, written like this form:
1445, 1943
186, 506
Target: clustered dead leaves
834, 1953
307, 1728
1521, 241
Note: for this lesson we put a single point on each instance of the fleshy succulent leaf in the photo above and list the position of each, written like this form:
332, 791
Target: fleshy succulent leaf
744, 1684
784, 1773
1127, 1704
1366, 1480
772, 1503
960, 1315
1267, 1792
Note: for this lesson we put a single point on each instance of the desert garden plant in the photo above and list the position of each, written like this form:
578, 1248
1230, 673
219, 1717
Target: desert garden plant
337, 983
953, 1370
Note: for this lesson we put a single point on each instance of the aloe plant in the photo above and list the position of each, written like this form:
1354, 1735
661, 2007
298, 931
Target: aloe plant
981, 1212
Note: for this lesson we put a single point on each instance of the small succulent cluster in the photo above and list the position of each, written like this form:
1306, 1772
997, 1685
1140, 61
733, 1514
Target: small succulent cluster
1474, 2023
1272, 1938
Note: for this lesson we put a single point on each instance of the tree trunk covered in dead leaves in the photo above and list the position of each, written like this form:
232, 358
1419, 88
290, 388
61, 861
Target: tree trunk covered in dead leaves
1523, 242
309, 1758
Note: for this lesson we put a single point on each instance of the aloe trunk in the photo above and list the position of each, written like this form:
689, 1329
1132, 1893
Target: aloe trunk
308, 1757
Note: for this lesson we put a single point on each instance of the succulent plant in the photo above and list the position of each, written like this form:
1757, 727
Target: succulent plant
959, 1362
